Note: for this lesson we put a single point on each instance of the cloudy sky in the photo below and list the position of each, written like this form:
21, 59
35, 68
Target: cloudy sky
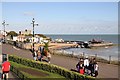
62, 17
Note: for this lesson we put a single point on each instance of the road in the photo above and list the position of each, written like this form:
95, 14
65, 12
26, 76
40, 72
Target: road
105, 70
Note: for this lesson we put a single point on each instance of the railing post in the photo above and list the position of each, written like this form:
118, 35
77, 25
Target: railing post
96, 56
72, 54
62, 51
83, 55
109, 59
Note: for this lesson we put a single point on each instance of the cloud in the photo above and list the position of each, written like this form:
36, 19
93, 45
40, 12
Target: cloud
29, 13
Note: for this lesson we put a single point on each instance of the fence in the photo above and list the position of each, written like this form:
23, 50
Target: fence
20, 44
82, 55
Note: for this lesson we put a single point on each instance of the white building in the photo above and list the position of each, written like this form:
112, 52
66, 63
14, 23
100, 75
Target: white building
59, 40
15, 38
26, 32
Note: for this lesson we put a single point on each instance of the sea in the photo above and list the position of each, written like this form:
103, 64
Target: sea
103, 52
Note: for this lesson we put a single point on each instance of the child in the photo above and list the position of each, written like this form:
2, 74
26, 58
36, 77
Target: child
81, 67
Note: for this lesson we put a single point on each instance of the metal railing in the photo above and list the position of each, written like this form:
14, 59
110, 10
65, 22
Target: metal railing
72, 55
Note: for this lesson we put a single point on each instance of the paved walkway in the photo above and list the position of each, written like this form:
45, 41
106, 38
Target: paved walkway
10, 75
105, 70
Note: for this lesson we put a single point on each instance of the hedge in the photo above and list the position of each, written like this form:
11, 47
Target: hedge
70, 75
18, 73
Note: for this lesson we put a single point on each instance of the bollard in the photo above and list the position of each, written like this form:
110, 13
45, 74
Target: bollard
62, 51
96, 56
109, 59
72, 54
83, 55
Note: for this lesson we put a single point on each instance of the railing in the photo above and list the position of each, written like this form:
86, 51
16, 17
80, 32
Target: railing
72, 55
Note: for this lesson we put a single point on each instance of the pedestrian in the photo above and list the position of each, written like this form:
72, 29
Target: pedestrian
78, 66
48, 56
96, 69
42, 52
5, 68
81, 67
91, 67
86, 65
35, 55
39, 55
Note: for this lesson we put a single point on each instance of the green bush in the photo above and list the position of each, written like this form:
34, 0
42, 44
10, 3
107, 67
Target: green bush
70, 75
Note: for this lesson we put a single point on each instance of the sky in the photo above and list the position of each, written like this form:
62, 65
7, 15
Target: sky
62, 17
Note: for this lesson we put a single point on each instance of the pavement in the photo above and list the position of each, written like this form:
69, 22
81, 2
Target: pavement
10, 75
105, 70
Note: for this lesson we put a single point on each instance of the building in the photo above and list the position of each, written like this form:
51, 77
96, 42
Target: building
21, 38
2, 33
26, 32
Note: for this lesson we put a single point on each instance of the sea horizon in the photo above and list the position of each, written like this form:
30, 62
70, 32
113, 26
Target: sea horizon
76, 34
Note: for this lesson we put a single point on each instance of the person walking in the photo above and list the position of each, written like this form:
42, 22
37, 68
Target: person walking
49, 56
42, 52
35, 55
96, 69
5, 68
81, 67
39, 55
91, 67
78, 66
86, 65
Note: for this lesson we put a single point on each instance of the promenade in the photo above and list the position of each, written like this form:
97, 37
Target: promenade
105, 70
10, 75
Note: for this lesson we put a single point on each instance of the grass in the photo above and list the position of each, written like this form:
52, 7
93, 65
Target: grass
50, 75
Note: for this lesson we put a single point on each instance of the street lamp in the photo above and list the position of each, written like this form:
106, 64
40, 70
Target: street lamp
4, 24
33, 23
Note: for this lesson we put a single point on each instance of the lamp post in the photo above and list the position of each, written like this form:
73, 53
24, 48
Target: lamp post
4, 24
33, 23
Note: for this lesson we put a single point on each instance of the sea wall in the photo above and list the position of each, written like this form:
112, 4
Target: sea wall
102, 44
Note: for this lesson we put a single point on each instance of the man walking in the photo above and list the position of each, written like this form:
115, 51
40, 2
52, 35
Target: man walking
5, 68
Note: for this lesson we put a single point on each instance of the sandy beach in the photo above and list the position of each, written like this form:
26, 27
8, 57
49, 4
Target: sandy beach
64, 45
56, 45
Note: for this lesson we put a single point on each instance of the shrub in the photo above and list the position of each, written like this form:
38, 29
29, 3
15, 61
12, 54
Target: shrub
70, 75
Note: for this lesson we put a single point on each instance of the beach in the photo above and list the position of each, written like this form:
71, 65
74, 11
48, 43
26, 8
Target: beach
56, 45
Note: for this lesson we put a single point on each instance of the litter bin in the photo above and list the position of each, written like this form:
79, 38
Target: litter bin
3, 57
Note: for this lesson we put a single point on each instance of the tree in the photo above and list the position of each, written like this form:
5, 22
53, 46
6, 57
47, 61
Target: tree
11, 34
46, 45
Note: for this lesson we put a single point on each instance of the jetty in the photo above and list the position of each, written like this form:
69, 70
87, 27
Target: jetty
102, 44
91, 44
